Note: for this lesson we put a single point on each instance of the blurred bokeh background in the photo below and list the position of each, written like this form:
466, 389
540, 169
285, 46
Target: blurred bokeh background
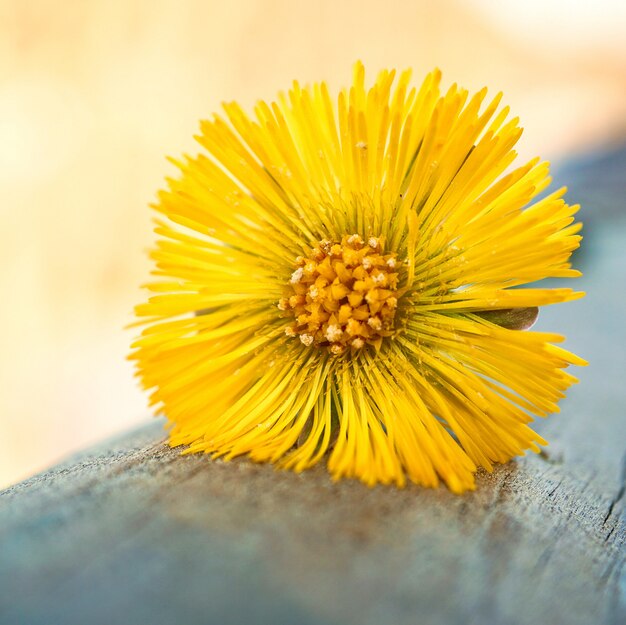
95, 93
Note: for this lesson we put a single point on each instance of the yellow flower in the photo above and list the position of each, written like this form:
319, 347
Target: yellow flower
335, 276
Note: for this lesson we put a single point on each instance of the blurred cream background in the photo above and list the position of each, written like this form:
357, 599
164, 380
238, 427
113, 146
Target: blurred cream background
94, 95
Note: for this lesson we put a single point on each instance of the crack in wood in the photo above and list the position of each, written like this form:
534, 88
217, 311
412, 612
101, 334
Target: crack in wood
619, 494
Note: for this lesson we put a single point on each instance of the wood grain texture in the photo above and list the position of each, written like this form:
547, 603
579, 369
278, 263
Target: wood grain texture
132, 533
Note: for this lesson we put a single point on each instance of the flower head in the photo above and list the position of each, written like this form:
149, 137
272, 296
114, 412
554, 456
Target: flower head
335, 277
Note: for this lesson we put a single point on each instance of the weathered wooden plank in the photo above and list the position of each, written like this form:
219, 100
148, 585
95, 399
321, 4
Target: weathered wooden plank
130, 532
136, 533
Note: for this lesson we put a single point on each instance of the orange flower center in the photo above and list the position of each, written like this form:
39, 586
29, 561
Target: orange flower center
343, 295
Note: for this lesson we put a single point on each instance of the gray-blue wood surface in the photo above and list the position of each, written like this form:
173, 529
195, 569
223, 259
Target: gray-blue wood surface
132, 533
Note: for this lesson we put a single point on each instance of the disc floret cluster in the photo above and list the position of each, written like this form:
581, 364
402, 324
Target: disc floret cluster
344, 295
